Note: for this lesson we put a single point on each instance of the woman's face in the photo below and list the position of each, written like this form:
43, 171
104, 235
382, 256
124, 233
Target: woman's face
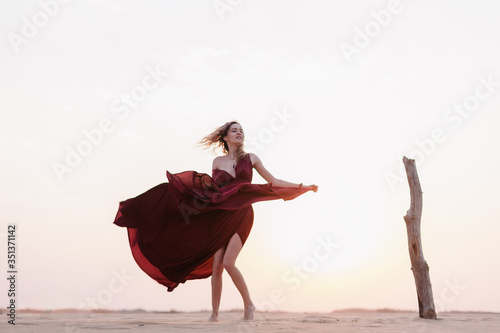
235, 134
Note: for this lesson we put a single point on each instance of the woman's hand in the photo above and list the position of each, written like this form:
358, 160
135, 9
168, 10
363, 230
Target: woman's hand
313, 188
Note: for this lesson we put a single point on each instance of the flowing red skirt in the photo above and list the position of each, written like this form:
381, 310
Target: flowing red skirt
175, 228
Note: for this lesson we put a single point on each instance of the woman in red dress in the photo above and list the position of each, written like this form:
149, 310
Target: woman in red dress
195, 225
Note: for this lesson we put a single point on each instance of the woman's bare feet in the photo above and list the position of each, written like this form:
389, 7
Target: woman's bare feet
214, 318
249, 310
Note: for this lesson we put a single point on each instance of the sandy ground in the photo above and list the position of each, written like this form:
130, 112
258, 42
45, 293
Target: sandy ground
348, 321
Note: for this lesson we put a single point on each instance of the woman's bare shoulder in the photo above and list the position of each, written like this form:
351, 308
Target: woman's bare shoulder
254, 158
215, 162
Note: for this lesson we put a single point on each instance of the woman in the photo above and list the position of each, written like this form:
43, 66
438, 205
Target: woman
195, 225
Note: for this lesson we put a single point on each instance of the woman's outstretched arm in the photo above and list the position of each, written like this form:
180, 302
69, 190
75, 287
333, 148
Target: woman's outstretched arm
257, 164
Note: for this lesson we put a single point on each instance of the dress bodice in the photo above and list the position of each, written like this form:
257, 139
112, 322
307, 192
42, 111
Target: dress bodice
243, 171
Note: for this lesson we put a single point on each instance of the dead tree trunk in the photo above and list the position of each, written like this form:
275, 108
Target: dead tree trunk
419, 266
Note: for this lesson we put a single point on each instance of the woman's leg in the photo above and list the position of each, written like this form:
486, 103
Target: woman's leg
217, 270
232, 251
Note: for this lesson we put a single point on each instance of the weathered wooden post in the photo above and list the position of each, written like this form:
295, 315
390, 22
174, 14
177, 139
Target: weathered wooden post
419, 266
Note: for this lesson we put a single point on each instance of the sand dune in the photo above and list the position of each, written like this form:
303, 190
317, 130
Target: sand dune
354, 320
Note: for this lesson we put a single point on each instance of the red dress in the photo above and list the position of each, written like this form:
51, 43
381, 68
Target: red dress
175, 228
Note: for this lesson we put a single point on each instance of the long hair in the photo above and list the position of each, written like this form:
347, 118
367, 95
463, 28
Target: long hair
215, 140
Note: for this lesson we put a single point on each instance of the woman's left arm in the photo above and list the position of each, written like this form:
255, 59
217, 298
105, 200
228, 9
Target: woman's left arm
257, 164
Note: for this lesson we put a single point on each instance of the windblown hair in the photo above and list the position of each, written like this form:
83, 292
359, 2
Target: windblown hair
215, 140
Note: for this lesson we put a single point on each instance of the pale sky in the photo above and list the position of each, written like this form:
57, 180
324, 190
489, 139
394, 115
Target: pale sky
100, 98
